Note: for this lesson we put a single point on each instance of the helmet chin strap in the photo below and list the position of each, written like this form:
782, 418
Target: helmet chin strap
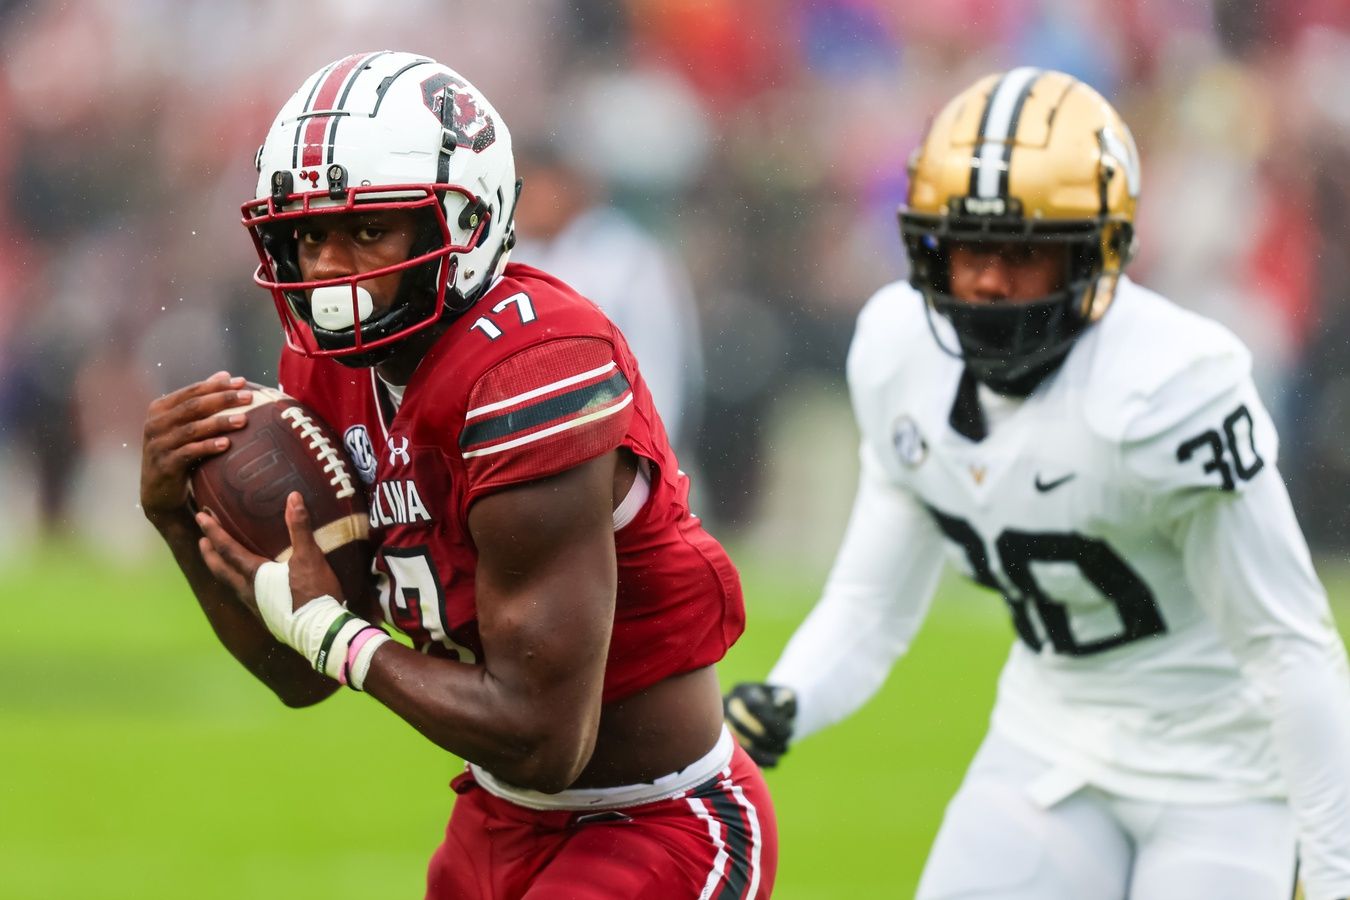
331, 306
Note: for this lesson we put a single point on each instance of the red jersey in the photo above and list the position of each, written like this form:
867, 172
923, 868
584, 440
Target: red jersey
531, 381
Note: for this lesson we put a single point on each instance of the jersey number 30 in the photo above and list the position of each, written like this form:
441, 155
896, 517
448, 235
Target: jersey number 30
1098, 563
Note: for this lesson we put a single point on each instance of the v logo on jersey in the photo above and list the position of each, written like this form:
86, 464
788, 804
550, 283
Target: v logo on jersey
1047, 486
978, 473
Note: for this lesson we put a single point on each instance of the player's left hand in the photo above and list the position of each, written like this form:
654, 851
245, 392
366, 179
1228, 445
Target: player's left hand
309, 574
761, 717
230, 562
298, 600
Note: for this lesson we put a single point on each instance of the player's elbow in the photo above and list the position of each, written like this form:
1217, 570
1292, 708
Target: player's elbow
299, 694
298, 701
547, 762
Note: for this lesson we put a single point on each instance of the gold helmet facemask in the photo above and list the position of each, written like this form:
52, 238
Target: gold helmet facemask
1027, 155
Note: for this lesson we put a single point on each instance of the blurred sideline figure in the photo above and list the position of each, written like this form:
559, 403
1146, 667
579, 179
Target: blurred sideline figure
1173, 720
533, 536
568, 229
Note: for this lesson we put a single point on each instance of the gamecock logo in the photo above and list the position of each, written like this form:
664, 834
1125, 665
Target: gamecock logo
451, 101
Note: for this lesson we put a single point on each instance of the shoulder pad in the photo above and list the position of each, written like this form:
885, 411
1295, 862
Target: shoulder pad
889, 323
1150, 363
1174, 391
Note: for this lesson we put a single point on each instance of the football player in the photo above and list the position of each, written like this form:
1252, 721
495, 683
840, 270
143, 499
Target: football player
534, 540
1173, 720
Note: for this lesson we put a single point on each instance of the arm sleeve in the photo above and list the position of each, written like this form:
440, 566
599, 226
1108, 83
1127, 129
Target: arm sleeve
1249, 566
874, 601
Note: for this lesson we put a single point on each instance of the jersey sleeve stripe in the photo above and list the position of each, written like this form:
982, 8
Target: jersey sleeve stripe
558, 406
539, 392
556, 429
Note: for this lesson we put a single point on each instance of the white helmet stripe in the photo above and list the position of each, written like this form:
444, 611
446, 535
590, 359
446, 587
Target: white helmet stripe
990, 175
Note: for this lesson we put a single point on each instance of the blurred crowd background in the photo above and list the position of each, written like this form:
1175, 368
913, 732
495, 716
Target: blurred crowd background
722, 175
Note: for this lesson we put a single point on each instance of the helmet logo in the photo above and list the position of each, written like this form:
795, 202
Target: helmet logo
453, 103
310, 175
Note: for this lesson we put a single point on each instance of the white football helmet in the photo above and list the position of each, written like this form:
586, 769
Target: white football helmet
383, 130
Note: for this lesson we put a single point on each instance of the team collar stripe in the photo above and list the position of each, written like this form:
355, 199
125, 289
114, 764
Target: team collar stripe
581, 400
539, 392
549, 432
997, 130
324, 99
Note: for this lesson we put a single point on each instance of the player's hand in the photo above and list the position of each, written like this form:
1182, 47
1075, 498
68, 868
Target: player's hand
308, 573
311, 575
299, 600
232, 564
761, 717
181, 429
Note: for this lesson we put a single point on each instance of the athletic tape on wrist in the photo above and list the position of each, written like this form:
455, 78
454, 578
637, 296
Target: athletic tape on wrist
321, 630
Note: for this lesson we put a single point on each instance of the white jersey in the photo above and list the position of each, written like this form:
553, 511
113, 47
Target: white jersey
1130, 512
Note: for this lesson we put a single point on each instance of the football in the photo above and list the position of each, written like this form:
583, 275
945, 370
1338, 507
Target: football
285, 447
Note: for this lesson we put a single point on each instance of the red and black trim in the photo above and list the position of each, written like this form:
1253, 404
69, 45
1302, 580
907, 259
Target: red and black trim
738, 836
324, 110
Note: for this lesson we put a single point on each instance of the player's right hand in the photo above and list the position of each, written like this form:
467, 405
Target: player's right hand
181, 429
761, 717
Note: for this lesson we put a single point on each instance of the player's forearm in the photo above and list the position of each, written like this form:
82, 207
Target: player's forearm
533, 739
1309, 698
874, 601
277, 666
1250, 568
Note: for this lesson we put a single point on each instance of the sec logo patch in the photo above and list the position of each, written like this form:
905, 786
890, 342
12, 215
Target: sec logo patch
908, 441
359, 448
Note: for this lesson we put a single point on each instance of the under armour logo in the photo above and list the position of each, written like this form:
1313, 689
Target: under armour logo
398, 452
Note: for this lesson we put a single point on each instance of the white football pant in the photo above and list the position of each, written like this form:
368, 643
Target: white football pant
998, 840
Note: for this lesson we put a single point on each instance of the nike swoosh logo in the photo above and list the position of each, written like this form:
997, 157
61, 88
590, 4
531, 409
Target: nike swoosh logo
1046, 486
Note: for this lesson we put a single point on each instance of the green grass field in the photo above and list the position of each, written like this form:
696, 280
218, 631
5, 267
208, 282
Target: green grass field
140, 762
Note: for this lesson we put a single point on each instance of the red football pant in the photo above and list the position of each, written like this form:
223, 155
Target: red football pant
718, 840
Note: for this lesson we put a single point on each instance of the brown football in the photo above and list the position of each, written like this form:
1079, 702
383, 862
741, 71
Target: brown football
284, 447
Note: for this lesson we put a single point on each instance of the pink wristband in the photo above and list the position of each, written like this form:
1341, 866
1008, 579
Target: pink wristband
354, 648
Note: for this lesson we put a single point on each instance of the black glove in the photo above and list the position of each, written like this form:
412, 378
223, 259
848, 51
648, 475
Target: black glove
761, 716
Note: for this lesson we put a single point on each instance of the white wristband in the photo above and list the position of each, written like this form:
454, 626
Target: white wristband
360, 667
321, 630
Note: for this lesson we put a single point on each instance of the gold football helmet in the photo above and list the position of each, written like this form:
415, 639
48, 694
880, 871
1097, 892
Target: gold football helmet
1026, 155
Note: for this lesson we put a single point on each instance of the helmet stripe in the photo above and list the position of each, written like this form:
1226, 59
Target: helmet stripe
342, 101
300, 120
383, 87
316, 125
998, 126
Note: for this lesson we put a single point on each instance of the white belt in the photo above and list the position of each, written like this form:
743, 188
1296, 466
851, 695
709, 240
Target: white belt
663, 788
